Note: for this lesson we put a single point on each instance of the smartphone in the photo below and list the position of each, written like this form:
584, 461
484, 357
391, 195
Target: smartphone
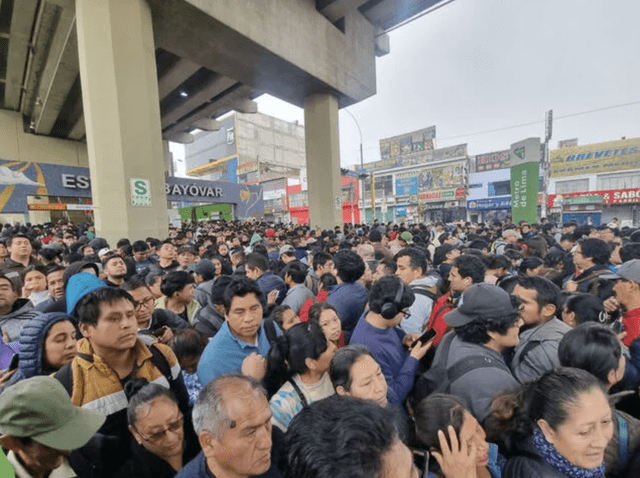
617, 326
424, 338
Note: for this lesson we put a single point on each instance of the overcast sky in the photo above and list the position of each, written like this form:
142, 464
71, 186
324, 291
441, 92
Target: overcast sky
478, 65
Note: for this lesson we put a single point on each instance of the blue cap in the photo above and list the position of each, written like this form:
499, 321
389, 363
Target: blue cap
79, 286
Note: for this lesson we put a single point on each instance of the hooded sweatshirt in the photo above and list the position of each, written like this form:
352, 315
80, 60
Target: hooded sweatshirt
32, 337
21, 313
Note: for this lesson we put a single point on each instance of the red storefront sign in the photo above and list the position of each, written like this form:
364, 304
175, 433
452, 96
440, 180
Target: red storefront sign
609, 197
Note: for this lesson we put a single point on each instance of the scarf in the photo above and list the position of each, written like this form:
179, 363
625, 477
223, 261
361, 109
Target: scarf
560, 463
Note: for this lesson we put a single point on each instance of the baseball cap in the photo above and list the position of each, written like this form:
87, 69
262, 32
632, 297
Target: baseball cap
286, 249
40, 408
478, 301
205, 268
406, 237
629, 270
104, 252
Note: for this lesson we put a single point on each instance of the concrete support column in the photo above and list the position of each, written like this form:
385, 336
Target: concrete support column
322, 144
122, 116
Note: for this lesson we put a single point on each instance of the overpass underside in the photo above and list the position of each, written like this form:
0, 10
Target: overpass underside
124, 75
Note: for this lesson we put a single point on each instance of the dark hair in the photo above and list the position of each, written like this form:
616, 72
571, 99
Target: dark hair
289, 353
478, 244
547, 293
498, 262
530, 263
123, 242
140, 246
340, 437
441, 252
255, 260
630, 250
140, 392
296, 270
555, 257
55, 268
16, 236
537, 247
240, 288
175, 282
277, 314
349, 265
470, 266
188, 343
417, 258
477, 331
437, 412
320, 259
41, 269
135, 282
591, 347
595, 249
389, 266
152, 277
384, 290
48, 253
587, 307
315, 311
328, 280
515, 413
342, 361
89, 307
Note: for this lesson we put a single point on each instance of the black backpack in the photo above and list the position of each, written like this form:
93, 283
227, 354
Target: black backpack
65, 374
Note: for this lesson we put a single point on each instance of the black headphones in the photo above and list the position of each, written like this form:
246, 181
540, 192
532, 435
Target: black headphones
389, 310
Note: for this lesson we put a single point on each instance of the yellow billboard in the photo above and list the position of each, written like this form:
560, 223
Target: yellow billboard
596, 158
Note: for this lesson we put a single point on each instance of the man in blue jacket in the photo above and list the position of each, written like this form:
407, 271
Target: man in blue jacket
349, 297
257, 269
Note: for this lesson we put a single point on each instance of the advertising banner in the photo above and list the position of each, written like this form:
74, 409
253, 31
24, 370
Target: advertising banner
489, 204
497, 160
393, 158
21, 179
407, 183
596, 158
525, 168
609, 197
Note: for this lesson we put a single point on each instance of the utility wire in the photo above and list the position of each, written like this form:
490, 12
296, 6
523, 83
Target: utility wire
530, 123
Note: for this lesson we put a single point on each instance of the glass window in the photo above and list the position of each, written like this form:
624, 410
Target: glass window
618, 181
572, 186
500, 188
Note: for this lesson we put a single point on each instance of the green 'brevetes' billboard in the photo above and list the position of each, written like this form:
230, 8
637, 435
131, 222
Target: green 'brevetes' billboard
525, 168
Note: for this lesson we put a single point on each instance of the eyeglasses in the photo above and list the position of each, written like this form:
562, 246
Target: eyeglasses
405, 314
143, 303
157, 436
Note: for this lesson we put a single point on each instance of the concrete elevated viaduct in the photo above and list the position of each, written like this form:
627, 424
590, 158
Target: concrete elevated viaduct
126, 76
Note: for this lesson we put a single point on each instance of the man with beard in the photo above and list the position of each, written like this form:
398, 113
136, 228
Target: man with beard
115, 270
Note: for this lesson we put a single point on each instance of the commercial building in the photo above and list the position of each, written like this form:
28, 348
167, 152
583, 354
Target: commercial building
254, 149
414, 181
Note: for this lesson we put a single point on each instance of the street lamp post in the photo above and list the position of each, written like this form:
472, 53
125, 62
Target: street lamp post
362, 212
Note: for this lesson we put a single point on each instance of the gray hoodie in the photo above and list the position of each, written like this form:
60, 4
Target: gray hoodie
21, 313
537, 351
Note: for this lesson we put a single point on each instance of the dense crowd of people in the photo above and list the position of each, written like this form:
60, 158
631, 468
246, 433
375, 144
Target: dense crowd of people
236, 349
